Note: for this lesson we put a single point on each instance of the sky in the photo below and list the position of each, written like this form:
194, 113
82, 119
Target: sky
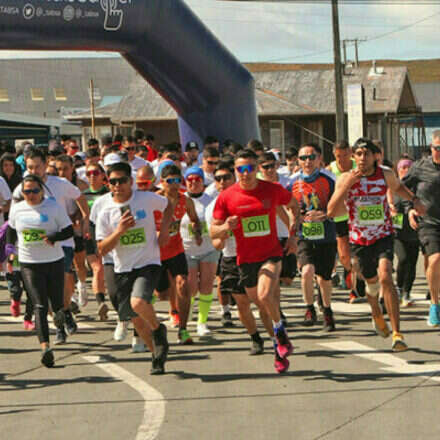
301, 32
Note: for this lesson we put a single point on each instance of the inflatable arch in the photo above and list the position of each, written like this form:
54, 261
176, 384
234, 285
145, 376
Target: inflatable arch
163, 40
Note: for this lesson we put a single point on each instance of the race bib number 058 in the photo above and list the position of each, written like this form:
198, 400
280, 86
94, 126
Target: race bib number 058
313, 231
33, 236
370, 215
257, 226
133, 237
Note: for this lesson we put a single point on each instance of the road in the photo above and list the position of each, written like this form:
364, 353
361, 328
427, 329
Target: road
341, 385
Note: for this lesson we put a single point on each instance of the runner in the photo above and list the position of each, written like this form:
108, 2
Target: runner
248, 209
312, 188
125, 225
424, 179
201, 255
41, 225
134, 161
363, 191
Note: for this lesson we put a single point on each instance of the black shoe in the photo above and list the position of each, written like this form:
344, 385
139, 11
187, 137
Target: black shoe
70, 325
161, 348
227, 320
59, 318
60, 337
283, 319
257, 347
329, 322
428, 295
310, 318
335, 280
47, 358
74, 308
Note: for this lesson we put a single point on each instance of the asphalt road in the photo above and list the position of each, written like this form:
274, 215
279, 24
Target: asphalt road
343, 385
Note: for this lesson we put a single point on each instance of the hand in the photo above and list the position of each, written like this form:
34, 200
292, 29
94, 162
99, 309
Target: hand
125, 223
291, 246
419, 207
47, 241
314, 216
232, 223
412, 218
353, 177
163, 238
393, 210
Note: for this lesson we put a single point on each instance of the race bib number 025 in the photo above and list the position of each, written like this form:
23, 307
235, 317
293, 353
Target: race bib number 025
313, 231
370, 215
33, 236
257, 226
133, 237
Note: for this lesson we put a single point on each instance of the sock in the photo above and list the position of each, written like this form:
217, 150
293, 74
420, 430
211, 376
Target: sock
100, 298
274, 342
204, 307
225, 308
256, 337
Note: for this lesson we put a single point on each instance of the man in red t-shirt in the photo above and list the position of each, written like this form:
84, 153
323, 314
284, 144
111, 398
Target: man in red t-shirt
248, 209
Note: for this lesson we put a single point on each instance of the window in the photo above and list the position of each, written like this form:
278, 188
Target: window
96, 94
37, 95
59, 94
4, 97
276, 135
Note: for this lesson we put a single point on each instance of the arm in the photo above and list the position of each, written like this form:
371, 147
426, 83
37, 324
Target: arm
292, 242
164, 232
62, 235
83, 206
192, 214
220, 229
336, 205
284, 217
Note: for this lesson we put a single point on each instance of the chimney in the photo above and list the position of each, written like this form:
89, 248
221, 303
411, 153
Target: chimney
374, 66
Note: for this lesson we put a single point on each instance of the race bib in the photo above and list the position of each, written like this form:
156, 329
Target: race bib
257, 226
370, 215
15, 264
398, 221
174, 228
203, 227
32, 237
313, 231
133, 238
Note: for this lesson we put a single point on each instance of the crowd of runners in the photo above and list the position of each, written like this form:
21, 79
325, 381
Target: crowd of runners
155, 223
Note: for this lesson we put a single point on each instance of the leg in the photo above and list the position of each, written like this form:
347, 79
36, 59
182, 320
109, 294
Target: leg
252, 294
389, 292
307, 283
207, 276
268, 277
433, 276
144, 332
244, 310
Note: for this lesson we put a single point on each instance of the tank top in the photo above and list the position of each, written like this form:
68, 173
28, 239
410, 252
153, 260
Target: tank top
336, 171
368, 210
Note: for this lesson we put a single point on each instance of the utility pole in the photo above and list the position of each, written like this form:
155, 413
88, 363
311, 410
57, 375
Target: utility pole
339, 89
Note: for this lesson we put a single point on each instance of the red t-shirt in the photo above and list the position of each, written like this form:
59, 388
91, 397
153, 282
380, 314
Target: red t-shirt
256, 234
152, 153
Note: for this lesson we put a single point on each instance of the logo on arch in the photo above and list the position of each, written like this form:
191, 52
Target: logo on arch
114, 15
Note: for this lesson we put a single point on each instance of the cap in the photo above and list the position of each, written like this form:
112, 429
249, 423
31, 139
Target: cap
194, 170
366, 143
191, 145
81, 155
111, 159
163, 165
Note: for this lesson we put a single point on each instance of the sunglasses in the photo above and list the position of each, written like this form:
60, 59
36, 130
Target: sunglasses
129, 148
144, 183
31, 191
74, 147
223, 177
307, 156
242, 168
193, 179
268, 166
120, 180
172, 180
213, 163
93, 173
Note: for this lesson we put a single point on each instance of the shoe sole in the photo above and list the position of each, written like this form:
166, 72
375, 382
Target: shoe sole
282, 367
47, 359
383, 333
103, 311
283, 352
399, 346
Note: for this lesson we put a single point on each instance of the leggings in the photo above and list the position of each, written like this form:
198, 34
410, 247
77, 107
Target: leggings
44, 282
15, 281
407, 253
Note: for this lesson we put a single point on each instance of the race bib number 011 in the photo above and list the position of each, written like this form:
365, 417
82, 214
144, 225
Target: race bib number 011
32, 237
257, 226
398, 221
370, 215
313, 231
133, 237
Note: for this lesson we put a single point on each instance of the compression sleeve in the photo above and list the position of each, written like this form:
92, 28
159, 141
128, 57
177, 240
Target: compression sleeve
62, 235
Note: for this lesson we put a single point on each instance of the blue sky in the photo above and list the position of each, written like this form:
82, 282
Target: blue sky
301, 32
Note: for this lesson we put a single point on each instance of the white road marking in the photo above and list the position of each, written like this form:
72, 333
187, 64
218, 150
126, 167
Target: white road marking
393, 363
154, 408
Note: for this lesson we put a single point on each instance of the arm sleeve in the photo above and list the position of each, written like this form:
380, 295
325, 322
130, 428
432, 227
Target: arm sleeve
11, 236
62, 235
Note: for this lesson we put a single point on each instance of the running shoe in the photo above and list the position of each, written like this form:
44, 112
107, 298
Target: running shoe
284, 347
184, 337
137, 345
336, 280
74, 308
47, 358
434, 315
203, 331
406, 301
28, 325
283, 319
15, 308
227, 320
59, 318
161, 348
60, 337
121, 330
70, 325
398, 342
102, 311
257, 347
281, 365
174, 318
380, 326
353, 297
83, 296
329, 322
310, 318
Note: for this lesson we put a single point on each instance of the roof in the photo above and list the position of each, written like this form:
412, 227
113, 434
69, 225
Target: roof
111, 77
31, 120
428, 96
298, 93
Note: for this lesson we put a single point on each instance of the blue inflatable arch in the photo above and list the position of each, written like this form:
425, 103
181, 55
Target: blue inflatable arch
163, 40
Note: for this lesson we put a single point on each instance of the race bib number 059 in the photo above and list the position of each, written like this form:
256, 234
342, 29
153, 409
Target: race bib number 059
133, 237
257, 226
313, 231
33, 236
369, 215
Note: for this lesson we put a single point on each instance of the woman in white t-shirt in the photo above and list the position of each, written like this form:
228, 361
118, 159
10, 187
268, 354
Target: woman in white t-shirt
40, 224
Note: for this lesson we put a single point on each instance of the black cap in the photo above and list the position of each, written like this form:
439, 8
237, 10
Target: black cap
191, 145
366, 143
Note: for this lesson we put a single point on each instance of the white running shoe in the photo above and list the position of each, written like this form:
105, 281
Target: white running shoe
83, 296
121, 331
137, 345
203, 331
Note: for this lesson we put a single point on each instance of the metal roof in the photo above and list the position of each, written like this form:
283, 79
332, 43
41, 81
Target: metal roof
428, 96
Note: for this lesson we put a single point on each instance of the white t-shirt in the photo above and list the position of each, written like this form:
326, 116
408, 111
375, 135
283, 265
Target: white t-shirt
138, 246
5, 195
30, 221
62, 191
81, 173
230, 249
209, 178
189, 241
138, 162
212, 191
96, 208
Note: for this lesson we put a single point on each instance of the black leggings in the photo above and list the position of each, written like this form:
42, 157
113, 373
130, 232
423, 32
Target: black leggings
407, 253
15, 282
44, 282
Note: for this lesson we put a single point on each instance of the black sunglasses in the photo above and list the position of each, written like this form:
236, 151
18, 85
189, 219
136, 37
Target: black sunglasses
307, 156
31, 191
223, 177
120, 180
268, 166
